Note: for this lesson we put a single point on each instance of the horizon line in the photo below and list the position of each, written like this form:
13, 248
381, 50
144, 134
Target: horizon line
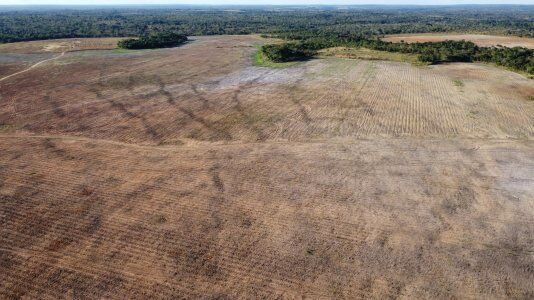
280, 5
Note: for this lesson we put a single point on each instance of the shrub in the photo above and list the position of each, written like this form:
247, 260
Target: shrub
429, 57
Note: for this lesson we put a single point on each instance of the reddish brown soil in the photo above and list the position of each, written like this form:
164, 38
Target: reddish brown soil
10, 68
60, 45
190, 173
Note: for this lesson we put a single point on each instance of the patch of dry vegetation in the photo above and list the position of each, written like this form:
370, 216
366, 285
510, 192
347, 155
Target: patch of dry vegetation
368, 54
458, 83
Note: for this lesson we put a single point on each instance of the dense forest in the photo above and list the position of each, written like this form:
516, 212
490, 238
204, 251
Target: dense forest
288, 22
152, 41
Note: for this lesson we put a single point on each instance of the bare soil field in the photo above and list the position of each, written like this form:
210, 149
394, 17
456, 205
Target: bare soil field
13, 62
191, 173
60, 45
479, 39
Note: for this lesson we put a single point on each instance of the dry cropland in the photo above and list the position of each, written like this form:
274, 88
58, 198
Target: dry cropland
191, 172
482, 40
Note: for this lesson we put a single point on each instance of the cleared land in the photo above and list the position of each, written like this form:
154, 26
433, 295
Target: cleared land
191, 172
60, 45
479, 39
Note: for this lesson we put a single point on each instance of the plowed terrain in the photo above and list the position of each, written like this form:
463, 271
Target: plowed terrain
60, 45
189, 172
479, 39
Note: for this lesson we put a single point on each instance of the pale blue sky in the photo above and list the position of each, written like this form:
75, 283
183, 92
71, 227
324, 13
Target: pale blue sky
258, 2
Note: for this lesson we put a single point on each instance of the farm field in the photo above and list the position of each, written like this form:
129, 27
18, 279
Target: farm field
191, 172
60, 45
479, 39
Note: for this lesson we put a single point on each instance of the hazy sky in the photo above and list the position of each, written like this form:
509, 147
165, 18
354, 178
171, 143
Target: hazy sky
259, 2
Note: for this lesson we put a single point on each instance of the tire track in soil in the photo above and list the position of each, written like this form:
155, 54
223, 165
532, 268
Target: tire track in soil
33, 66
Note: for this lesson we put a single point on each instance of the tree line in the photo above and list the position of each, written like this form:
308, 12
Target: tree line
285, 22
517, 58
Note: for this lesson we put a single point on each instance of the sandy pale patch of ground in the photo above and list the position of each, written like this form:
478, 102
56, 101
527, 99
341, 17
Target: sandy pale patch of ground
60, 45
479, 39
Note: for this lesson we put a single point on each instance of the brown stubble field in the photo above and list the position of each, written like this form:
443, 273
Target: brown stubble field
60, 45
479, 39
191, 173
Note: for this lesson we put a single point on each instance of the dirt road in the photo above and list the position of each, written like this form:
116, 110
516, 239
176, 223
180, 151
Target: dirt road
33, 66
